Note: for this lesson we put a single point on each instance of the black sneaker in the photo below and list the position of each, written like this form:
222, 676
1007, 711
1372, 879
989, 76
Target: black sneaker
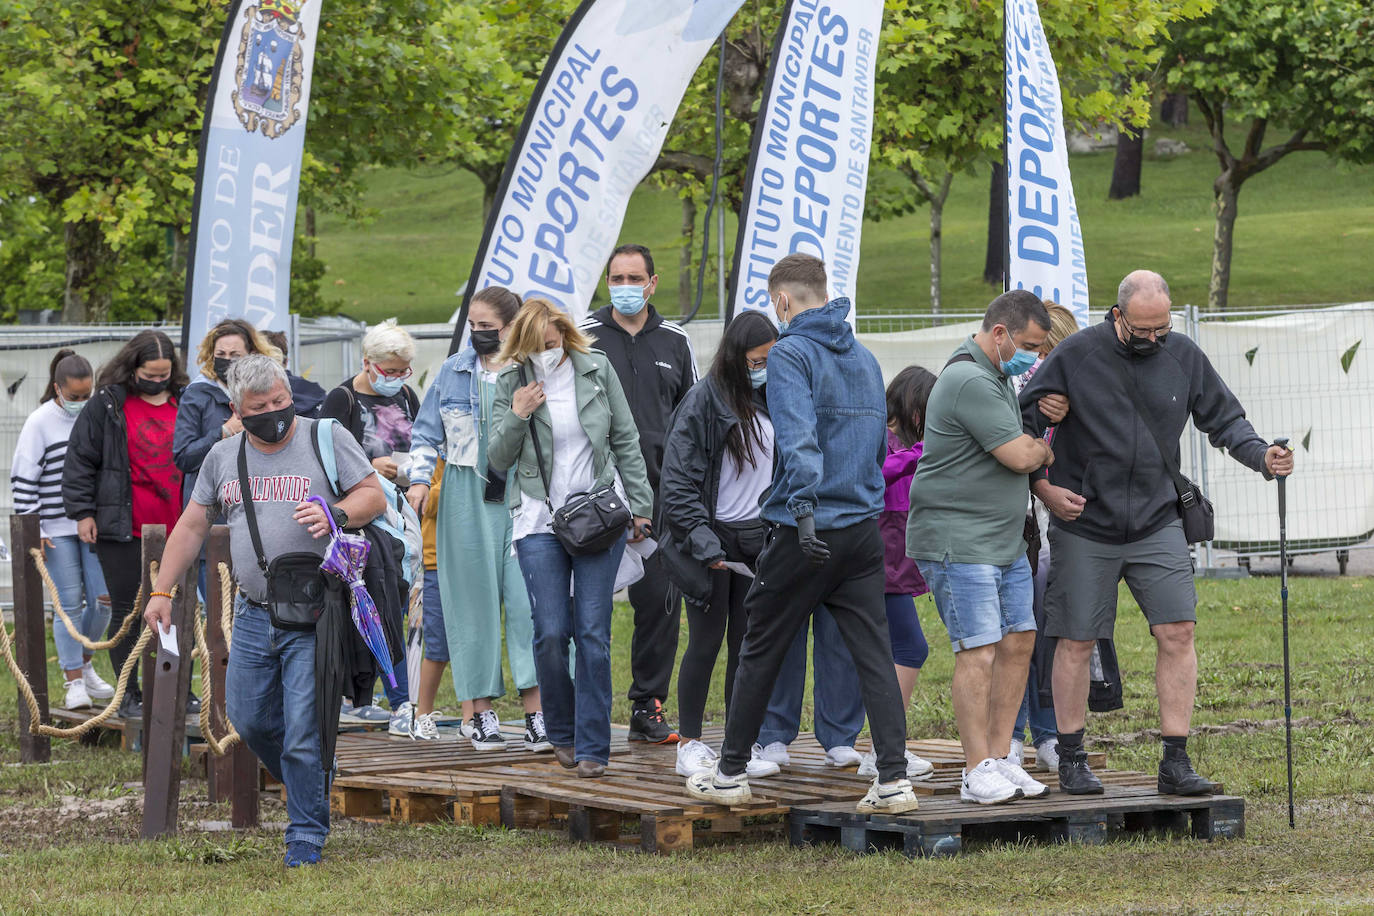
131, 707
647, 724
192, 704
1075, 776
536, 738
1177, 777
486, 731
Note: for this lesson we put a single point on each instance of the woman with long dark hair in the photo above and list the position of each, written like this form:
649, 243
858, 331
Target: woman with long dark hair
119, 474
717, 462
36, 480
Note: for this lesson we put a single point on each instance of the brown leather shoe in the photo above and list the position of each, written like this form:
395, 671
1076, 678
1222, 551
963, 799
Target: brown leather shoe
590, 769
565, 756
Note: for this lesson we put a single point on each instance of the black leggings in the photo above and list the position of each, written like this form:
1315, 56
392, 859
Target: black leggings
122, 564
723, 620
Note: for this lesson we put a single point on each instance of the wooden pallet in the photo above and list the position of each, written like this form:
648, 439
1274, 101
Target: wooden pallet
130, 731
942, 825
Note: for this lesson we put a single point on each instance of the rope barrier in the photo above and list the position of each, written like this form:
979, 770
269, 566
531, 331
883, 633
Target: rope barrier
219, 747
226, 604
76, 634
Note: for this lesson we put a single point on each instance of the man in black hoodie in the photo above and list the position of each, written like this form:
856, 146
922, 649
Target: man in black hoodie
656, 366
1115, 507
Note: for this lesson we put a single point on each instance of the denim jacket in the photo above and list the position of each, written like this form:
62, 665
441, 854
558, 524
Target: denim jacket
829, 413
448, 417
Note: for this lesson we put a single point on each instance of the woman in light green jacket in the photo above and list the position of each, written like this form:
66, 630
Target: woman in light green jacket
559, 389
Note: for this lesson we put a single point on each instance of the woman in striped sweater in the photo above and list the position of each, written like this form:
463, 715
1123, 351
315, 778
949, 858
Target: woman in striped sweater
36, 479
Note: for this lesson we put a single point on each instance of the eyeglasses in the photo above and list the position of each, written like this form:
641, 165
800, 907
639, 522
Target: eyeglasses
1156, 333
394, 373
756, 363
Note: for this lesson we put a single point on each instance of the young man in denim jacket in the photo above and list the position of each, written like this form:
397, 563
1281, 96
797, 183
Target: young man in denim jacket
826, 401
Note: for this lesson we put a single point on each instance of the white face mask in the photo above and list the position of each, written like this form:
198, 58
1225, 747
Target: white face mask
548, 360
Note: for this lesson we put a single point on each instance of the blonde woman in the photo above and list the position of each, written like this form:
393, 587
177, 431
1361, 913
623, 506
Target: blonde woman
558, 389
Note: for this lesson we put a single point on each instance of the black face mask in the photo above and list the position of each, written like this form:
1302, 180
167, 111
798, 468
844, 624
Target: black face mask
222, 364
485, 342
271, 426
149, 387
1137, 345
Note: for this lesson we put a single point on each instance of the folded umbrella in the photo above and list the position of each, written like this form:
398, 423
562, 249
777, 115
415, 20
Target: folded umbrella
346, 558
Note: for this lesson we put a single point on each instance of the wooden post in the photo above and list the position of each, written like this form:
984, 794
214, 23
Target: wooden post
219, 772
165, 720
154, 539
30, 638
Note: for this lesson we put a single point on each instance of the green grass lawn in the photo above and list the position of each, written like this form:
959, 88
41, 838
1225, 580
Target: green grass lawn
87, 860
1304, 235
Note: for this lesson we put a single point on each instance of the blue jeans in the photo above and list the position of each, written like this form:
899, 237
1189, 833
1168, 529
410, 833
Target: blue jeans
980, 603
270, 696
1040, 718
77, 574
839, 706
570, 601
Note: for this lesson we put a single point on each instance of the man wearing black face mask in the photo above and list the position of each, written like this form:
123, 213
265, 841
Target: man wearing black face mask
1115, 507
270, 683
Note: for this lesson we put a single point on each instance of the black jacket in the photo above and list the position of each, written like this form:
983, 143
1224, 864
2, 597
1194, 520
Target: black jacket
1103, 450
95, 476
656, 368
305, 395
694, 451
201, 414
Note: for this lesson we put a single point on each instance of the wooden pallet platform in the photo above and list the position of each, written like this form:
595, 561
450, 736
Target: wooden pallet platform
130, 731
943, 825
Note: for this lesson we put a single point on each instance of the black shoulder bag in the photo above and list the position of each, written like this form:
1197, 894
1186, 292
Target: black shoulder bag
1199, 521
590, 521
296, 587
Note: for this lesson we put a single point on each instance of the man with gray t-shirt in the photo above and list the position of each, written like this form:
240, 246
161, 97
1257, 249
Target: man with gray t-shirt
270, 684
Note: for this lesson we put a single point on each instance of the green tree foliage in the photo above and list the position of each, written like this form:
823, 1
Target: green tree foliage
939, 87
1303, 67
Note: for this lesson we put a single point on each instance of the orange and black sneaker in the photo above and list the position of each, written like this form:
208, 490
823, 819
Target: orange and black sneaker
647, 724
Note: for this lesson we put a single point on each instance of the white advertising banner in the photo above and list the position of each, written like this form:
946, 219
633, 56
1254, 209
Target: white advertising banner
1045, 237
244, 215
593, 129
808, 170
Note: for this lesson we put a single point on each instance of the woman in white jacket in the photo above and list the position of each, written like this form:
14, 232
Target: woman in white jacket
36, 479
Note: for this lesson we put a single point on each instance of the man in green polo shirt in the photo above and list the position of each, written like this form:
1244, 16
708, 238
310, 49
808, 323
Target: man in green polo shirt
968, 511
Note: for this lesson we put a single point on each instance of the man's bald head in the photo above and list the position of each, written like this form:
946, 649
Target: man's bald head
1142, 288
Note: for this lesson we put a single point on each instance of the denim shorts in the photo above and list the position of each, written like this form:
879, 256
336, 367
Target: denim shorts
980, 603
436, 639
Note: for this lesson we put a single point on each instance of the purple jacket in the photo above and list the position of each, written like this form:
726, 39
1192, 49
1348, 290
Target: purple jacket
900, 466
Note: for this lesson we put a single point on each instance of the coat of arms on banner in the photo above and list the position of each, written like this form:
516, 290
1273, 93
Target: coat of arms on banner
270, 69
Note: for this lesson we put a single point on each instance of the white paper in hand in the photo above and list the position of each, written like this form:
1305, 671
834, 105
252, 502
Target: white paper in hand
168, 638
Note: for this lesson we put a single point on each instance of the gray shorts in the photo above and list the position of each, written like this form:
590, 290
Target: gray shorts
1080, 602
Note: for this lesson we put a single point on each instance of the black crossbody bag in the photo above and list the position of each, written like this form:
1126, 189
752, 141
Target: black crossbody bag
296, 586
1199, 519
590, 521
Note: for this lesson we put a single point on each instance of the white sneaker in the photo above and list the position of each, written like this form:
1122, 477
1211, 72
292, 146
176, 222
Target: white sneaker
775, 752
96, 686
716, 789
77, 697
843, 756
986, 785
916, 767
893, 798
760, 766
693, 757
1017, 755
402, 721
1014, 774
426, 727
1047, 754
466, 729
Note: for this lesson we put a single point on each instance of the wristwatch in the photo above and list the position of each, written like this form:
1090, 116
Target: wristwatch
339, 515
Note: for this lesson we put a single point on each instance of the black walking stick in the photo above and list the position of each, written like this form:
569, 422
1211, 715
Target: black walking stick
1283, 592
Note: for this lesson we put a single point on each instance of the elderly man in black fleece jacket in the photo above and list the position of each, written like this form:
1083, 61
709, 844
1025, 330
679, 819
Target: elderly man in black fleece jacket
1115, 508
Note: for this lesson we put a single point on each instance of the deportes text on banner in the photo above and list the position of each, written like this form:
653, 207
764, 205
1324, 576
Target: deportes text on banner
808, 170
593, 129
244, 217
1045, 237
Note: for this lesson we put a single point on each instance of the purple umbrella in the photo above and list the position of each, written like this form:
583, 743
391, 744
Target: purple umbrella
346, 558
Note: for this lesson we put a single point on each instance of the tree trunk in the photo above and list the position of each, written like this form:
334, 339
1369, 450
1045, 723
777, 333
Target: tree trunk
1130, 152
310, 231
684, 258
1227, 193
1174, 109
86, 250
994, 264
489, 189
937, 217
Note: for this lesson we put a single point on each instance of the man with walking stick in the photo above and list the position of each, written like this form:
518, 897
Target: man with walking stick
1117, 495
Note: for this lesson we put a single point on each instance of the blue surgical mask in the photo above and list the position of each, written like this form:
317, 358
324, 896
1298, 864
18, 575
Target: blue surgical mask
628, 300
758, 377
385, 386
1020, 362
72, 407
